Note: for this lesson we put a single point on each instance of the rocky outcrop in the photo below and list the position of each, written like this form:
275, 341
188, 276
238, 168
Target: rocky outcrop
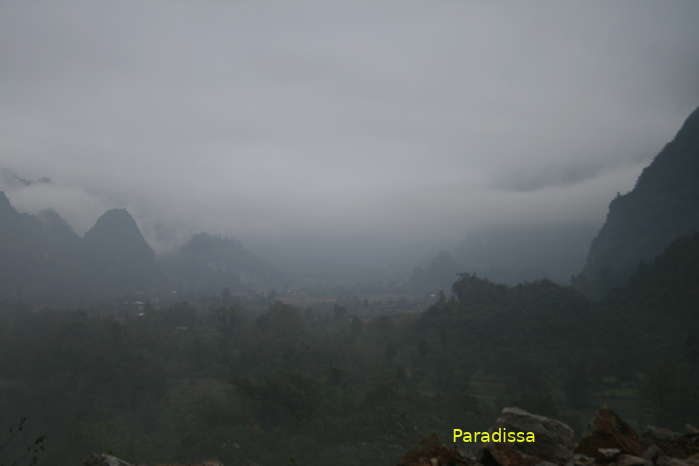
609, 432
642, 223
555, 441
673, 444
103, 459
610, 441
432, 452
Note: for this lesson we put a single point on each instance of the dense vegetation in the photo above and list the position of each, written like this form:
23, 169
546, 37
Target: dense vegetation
282, 384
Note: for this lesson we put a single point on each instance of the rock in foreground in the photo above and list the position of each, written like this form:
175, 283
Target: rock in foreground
102, 459
611, 441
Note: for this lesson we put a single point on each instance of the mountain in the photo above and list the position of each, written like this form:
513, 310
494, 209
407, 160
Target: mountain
653, 318
40, 255
665, 287
43, 261
208, 263
663, 205
18, 240
56, 228
438, 274
118, 255
526, 252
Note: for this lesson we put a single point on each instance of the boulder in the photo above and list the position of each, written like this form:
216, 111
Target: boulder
432, 452
554, 443
669, 461
609, 431
507, 455
611, 442
652, 452
609, 454
672, 444
102, 459
630, 460
580, 460
662, 434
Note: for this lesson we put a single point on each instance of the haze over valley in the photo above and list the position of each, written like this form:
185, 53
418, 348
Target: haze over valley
335, 147
328, 233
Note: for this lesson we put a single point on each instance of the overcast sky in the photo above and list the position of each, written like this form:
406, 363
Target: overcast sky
395, 120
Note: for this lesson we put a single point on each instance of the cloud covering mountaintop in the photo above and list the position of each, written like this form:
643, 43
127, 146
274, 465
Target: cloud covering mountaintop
380, 123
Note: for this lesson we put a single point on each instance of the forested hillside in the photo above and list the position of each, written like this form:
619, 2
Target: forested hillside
191, 381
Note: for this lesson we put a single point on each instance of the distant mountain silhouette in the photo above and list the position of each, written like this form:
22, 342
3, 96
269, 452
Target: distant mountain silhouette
56, 228
208, 263
663, 205
40, 255
43, 261
526, 252
118, 256
437, 274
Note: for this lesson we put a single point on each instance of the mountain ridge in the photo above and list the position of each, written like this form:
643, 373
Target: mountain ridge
44, 261
641, 223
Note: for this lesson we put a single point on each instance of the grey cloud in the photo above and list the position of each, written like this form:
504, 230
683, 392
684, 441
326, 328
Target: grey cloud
357, 121
77, 206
